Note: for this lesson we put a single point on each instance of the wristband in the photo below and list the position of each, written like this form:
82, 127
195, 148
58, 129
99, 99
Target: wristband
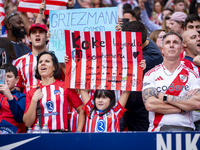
165, 99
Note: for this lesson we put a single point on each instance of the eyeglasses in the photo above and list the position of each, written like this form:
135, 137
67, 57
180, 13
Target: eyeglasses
11, 15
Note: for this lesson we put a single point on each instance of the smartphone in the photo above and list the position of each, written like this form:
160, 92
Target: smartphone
125, 20
2, 76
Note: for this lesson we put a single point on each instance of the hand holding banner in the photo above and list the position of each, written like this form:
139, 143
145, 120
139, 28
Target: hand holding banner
104, 60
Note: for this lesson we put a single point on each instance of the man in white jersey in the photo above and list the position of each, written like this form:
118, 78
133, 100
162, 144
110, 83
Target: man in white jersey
26, 64
171, 90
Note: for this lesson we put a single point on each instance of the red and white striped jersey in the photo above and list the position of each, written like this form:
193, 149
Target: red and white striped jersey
74, 114
178, 83
54, 104
109, 122
26, 71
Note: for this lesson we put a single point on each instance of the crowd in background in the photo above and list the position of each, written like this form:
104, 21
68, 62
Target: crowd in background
24, 43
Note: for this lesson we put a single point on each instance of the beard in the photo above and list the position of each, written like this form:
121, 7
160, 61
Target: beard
17, 32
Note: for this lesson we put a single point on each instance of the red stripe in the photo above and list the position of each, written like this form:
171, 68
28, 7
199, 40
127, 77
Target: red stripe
98, 60
129, 61
139, 58
69, 54
58, 102
65, 110
78, 60
48, 91
93, 122
177, 81
109, 123
109, 59
88, 62
52, 2
23, 70
119, 60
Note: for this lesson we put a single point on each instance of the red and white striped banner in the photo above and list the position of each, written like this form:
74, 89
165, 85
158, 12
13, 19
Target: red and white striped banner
104, 60
34, 5
2, 13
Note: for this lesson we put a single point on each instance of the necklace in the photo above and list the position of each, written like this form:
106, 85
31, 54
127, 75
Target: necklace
168, 71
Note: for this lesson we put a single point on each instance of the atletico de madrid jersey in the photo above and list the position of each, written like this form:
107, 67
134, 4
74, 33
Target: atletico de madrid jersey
26, 71
54, 104
109, 122
178, 83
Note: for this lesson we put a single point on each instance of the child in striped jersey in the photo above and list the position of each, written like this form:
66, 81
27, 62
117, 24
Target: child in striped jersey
103, 114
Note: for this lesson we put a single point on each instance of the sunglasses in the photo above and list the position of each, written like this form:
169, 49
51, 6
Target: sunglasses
11, 15
167, 18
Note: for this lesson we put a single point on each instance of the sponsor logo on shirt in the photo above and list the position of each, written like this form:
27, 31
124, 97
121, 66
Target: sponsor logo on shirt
101, 126
173, 87
50, 106
183, 77
57, 92
159, 78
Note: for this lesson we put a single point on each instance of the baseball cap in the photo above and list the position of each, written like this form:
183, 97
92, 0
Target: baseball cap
178, 16
37, 25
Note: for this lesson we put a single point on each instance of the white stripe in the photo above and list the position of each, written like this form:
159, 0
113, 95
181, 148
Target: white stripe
73, 65
2, 9
27, 72
105, 118
93, 53
90, 121
113, 120
83, 64
61, 107
37, 6
44, 100
114, 61
53, 98
133, 35
124, 62
104, 62
33, 69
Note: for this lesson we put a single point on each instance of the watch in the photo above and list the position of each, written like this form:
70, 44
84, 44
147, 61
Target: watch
165, 99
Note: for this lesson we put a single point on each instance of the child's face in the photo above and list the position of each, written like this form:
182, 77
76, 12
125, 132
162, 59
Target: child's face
102, 103
10, 80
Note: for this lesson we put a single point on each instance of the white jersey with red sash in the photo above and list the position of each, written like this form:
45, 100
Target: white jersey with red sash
109, 122
178, 83
54, 104
26, 71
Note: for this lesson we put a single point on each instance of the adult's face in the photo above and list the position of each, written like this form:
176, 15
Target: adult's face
45, 66
129, 16
172, 47
174, 26
192, 42
159, 39
17, 26
193, 25
38, 38
179, 7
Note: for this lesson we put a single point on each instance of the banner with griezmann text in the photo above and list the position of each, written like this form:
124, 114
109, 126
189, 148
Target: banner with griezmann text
34, 5
104, 60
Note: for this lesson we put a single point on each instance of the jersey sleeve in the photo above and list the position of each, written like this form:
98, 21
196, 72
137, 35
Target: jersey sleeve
28, 100
119, 110
194, 82
88, 106
149, 81
74, 98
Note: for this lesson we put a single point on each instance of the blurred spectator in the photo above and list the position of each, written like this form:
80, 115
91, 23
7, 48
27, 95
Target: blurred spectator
156, 15
192, 22
31, 18
16, 32
177, 22
166, 23
157, 37
10, 51
179, 5
9, 7
166, 12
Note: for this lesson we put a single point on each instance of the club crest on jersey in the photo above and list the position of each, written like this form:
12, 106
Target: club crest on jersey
101, 126
57, 92
183, 77
109, 114
50, 106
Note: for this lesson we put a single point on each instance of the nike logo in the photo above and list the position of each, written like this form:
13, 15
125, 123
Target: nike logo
16, 144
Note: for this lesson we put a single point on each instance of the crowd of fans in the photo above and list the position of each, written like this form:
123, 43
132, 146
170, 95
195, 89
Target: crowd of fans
170, 98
